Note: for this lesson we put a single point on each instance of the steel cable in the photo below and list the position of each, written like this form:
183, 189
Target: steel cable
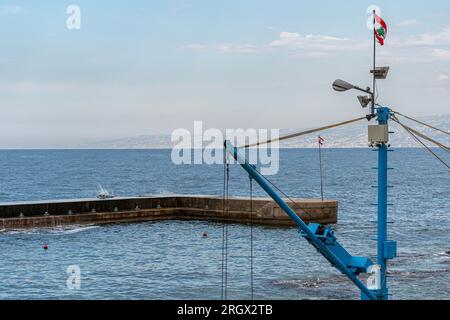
422, 123
421, 142
303, 133
417, 133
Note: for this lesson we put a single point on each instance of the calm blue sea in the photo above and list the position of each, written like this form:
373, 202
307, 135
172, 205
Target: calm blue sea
171, 260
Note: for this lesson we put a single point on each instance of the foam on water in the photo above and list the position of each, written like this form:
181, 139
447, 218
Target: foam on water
73, 229
54, 230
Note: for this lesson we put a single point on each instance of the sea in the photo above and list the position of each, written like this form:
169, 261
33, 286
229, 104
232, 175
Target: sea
172, 259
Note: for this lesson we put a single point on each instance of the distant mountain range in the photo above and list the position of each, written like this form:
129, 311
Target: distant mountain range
351, 136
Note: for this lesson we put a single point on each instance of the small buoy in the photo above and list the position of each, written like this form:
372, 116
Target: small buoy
45, 247
205, 235
447, 252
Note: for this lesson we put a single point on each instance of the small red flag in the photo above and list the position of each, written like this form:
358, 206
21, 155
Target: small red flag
321, 140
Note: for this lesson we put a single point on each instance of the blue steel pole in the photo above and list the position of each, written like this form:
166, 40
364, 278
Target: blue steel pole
300, 223
383, 117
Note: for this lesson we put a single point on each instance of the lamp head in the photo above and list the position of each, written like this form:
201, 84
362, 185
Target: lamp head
341, 86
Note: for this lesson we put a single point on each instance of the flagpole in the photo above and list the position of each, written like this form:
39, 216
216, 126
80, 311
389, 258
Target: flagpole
321, 168
374, 63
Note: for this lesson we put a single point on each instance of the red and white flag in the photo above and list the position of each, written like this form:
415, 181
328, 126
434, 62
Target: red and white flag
321, 140
381, 29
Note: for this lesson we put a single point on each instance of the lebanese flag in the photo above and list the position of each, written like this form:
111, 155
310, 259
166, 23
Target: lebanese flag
381, 29
321, 140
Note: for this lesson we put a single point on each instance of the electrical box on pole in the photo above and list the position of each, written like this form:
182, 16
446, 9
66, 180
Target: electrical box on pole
378, 134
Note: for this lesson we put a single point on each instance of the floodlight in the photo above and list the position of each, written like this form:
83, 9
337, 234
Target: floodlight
364, 101
380, 73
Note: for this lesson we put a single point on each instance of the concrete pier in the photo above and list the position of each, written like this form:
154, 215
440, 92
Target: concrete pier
177, 207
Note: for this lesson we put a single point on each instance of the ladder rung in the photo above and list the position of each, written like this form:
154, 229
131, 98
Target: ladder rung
375, 222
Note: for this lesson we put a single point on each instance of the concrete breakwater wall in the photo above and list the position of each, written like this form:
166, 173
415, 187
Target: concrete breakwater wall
177, 207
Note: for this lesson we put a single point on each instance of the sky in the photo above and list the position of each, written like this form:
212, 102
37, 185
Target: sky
150, 67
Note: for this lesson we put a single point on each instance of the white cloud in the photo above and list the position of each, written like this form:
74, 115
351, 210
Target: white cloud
11, 9
440, 38
443, 77
422, 48
238, 48
440, 54
225, 48
426, 47
310, 45
315, 43
289, 35
433, 15
194, 47
408, 23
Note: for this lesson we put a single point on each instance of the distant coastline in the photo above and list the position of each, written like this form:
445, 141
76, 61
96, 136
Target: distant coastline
353, 136
349, 137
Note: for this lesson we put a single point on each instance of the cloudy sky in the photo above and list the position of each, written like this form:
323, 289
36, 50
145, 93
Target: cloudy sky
144, 67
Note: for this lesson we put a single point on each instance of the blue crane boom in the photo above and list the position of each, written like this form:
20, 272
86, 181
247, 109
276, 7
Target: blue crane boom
321, 237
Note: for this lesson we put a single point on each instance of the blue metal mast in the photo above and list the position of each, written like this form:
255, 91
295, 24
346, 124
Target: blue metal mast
386, 249
379, 136
383, 116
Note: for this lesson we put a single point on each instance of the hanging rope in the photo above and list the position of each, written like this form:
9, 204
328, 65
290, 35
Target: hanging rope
417, 133
223, 228
251, 239
303, 133
421, 142
226, 177
297, 206
422, 123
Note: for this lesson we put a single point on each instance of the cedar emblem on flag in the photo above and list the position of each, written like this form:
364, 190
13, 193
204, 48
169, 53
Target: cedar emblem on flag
380, 29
